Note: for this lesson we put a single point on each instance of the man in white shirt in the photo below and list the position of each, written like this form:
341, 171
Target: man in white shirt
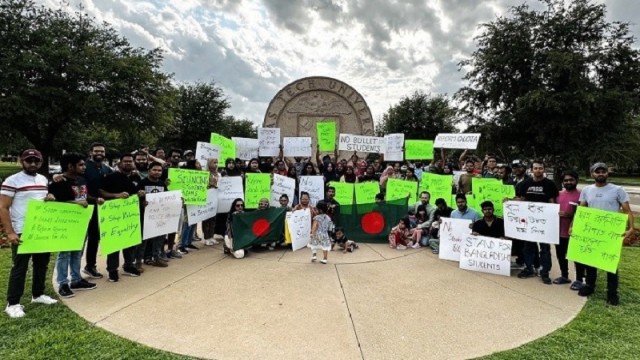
15, 193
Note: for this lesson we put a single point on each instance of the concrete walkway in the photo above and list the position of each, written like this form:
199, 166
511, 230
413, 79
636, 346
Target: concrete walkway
375, 303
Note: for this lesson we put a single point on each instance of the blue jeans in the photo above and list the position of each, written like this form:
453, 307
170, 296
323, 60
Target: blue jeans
68, 261
531, 250
186, 236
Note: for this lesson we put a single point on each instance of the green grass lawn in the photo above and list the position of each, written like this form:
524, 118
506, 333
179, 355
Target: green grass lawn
7, 169
598, 332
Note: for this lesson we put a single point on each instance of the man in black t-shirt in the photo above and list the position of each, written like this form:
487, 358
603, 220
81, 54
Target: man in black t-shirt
152, 253
537, 189
489, 225
120, 185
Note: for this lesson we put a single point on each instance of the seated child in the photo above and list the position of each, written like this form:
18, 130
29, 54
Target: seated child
342, 241
400, 236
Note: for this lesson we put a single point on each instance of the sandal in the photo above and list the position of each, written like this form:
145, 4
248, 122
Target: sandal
576, 285
561, 280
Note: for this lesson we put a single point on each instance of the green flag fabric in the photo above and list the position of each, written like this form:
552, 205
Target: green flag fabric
257, 227
326, 131
372, 222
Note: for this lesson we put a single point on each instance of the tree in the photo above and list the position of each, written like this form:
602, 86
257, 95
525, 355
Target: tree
420, 116
557, 83
61, 72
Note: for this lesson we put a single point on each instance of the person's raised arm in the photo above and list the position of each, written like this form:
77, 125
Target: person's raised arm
461, 159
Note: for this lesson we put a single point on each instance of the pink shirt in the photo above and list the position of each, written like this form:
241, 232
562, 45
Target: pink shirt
564, 199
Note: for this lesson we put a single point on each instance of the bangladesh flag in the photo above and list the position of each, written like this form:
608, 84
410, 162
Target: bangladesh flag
372, 222
257, 227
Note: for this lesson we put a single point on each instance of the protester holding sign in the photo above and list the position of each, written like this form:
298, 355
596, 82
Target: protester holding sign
72, 189
15, 193
208, 225
609, 197
152, 252
489, 225
568, 200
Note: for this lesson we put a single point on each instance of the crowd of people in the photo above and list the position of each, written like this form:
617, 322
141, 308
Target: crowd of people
92, 181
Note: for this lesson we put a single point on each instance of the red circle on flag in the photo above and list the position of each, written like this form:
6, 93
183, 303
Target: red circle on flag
372, 223
260, 227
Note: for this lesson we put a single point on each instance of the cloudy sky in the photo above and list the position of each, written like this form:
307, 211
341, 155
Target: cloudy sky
385, 49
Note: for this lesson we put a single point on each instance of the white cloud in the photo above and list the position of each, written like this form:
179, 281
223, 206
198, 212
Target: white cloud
385, 49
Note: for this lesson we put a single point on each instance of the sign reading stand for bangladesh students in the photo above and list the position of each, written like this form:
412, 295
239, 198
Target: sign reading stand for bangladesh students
486, 254
596, 238
119, 221
54, 226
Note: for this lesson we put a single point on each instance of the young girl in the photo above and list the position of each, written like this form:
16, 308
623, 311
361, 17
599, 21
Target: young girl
343, 242
320, 228
400, 236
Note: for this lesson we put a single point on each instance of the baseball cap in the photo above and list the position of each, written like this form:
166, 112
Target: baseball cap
188, 152
515, 163
599, 165
31, 153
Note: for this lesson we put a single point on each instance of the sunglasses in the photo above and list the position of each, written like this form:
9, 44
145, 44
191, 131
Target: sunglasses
32, 161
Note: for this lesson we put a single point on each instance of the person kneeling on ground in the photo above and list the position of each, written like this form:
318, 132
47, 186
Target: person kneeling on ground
400, 236
342, 241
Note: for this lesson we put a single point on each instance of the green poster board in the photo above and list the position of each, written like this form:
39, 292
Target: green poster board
119, 222
193, 183
418, 149
51, 226
492, 190
366, 192
439, 186
399, 189
226, 145
326, 131
596, 238
257, 186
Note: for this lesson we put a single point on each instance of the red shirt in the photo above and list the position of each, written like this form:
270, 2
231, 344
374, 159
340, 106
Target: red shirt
564, 199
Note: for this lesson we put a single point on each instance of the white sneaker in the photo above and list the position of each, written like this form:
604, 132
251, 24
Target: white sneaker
14, 311
416, 245
401, 247
208, 242
314, 257
43, 299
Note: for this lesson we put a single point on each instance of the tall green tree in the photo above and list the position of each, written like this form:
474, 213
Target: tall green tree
561, 82
419, 116
60, 72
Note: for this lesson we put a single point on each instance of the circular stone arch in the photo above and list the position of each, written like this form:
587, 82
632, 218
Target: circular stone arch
297, 107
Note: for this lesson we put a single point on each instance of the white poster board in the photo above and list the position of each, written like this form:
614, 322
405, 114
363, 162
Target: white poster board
393, 147
282, 185
360, 143
206, 151
246, 148
486, 254
457, 141
296, 146
198, 213
229, 189
452, 231
269, 141
314, 185
299, 225
162, 213
532, 221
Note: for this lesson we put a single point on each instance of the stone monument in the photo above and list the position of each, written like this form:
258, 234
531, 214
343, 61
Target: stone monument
301, 104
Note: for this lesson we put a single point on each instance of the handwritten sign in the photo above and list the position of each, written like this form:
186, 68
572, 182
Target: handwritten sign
206, 151
193, 183
54, 226
418, 149
457, 141
227, 147
299, 227
400, 189
360, 143
344, 193
314, 185
269, 141
229, 189
452, 232
282, 185
486, 254
257, 186
491, 190
596, 238
246, 148
438, 186
394, 144
296, 146
366, 192
119, 222
198, 213
162, 213
326, 135
532, 221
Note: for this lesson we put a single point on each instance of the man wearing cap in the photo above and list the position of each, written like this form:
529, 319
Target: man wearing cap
609, 197
537, 189
519, 171
15, 193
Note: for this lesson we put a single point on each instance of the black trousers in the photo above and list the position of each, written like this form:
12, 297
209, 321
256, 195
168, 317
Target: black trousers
113, 259
612, 280
18, 274
93, 240
563, 263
